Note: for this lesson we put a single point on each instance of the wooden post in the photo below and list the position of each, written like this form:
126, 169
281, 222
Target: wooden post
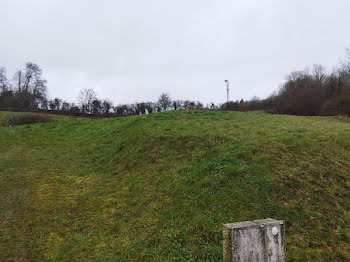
254, 241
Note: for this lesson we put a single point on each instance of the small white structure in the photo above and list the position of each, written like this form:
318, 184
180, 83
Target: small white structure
254, 241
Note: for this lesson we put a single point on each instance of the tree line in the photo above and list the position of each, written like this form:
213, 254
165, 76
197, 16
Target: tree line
27, 91
27, 88
315, 91
312, 91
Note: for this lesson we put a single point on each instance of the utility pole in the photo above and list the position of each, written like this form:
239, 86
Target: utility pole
228, 90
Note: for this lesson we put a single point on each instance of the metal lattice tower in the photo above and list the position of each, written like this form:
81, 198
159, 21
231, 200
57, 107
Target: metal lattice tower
228, 90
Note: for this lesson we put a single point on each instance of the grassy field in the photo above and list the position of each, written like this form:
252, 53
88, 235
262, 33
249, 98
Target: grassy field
159, 187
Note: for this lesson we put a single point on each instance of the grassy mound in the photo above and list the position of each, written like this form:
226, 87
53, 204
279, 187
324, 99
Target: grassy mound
159, 187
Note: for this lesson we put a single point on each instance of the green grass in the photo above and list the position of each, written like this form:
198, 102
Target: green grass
159, 187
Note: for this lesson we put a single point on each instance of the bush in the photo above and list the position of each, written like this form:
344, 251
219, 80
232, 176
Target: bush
339, 105
27, 119
303, 96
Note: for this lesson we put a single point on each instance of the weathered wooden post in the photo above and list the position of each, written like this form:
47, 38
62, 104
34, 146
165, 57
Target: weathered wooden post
254, 241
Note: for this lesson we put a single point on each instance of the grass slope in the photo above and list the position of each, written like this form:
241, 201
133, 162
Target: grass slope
159, 187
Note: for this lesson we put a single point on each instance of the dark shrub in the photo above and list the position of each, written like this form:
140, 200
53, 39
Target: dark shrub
27, 119
339, 105
303, 96
74, 110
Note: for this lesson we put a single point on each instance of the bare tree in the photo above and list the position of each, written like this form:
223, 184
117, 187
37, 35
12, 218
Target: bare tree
106, 106
44, 104
346, 63
85, 98
186, 104
65, 106
4, 84
30, 82
31, 72
150, 107
96, 106
52, 105
121, 110
179, 104
18, 80
57, 102
344, 71
319, 73
295, 76
164, 101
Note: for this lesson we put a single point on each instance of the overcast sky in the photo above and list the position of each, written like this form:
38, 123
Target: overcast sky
132, 50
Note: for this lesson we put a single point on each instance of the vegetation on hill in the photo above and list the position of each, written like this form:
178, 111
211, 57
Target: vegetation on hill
21, 118
313, 91
310, 92
159, 187
27, 91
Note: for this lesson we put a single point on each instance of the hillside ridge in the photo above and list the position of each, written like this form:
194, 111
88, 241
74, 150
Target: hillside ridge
159, 187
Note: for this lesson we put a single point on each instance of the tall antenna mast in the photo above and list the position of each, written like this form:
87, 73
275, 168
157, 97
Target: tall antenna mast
228, 90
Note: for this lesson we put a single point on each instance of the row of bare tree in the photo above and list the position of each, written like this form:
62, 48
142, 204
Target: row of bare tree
308, 92
312, 91
90, 104
27, 91
315, 92
27, 88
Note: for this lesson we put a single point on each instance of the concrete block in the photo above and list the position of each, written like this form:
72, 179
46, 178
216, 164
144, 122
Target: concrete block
254, 241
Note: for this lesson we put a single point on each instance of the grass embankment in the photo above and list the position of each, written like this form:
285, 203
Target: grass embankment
159, 187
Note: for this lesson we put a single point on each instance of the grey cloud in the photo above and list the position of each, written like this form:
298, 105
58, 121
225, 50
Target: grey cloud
133, 50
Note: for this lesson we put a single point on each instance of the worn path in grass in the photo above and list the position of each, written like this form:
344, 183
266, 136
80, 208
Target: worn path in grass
159, 187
